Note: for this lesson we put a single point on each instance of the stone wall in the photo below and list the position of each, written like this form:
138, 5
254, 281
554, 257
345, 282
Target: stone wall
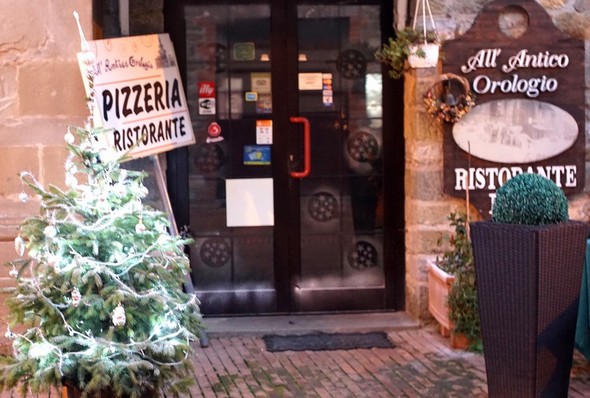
41, 94
427, 207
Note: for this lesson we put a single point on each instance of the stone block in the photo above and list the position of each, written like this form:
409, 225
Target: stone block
424, 240
424, 183
51, 88
430, 213
12, 162
27, 131
12, 212
417, 301
421, 127
574, 24
582, 5
60, 35
417, 267
427, 153
47, 30
552, 3
7, 253
53, 162
8, 91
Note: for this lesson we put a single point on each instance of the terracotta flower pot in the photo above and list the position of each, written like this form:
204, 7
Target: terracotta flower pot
70, 391
439, 285
459, 341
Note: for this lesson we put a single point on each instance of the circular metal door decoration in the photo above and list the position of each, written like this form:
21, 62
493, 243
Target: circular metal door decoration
323, 206
363, 147
352, 64
362, 255
214, 252
209, 158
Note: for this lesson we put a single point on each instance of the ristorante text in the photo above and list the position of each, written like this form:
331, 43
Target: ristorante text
134, 104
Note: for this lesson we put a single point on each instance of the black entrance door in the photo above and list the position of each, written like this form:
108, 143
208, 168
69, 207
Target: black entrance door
294, 189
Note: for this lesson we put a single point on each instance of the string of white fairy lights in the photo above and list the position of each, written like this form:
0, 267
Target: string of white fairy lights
86, 339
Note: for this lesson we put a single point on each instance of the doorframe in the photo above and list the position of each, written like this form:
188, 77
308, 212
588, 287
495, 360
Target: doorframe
394, 161
393, 153
287, 257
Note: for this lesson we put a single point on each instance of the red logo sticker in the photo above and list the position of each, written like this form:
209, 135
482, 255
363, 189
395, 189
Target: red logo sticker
214, 129
206, 89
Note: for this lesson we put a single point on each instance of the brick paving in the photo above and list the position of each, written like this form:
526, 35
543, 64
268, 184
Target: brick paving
421, 365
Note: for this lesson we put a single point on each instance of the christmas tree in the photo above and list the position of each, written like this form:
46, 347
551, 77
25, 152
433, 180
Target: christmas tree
99, 285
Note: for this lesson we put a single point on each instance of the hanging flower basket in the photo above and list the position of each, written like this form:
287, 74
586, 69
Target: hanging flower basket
423, 55
449, 99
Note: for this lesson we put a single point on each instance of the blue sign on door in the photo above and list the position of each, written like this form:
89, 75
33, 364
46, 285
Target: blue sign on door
257, 155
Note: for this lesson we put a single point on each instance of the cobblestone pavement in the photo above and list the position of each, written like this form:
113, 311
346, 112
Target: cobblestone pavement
421, 365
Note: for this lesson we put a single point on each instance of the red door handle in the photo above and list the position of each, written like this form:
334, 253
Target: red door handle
306, 147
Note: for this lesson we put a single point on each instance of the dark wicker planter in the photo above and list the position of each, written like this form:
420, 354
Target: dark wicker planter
528, 286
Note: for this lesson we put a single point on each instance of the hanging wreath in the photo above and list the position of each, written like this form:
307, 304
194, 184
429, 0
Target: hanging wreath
449, 99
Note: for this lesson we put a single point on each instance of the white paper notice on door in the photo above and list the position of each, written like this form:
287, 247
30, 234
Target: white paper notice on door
310, 81
249, 202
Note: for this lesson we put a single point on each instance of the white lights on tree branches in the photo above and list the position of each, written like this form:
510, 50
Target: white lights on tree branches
69, 138
23, 197
50, 231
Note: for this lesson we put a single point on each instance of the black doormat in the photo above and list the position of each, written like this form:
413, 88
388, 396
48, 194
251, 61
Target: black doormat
327, 341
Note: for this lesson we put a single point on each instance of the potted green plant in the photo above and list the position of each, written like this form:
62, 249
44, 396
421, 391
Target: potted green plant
451, 288
528, 264
419, 48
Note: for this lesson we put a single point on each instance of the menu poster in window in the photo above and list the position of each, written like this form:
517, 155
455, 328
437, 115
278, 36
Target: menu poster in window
139, 94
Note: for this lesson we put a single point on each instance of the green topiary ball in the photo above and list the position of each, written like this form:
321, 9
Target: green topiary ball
530, 199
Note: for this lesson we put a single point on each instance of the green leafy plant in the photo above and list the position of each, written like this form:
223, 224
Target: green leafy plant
397, 50
459, 254
462, 299
530, 199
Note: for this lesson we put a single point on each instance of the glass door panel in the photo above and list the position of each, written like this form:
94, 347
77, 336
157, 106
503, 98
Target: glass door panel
341, 201
227, 56
325, 250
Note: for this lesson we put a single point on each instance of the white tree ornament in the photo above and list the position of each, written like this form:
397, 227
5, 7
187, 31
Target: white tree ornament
19, 245
50, 231
76, 297
119, 318
140, 227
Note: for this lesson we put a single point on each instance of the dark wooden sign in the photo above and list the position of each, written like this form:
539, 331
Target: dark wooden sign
528, 80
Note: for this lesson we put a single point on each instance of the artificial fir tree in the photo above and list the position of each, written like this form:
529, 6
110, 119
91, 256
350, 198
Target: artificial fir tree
99, 285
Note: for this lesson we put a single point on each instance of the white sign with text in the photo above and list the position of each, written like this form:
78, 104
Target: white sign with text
139, 94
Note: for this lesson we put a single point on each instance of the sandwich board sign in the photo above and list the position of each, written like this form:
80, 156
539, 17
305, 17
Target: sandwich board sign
138, 94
